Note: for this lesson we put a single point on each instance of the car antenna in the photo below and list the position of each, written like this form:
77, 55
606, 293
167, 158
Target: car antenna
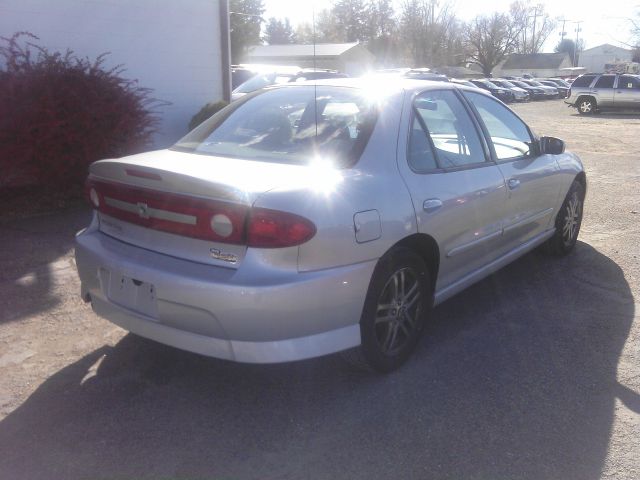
315, 83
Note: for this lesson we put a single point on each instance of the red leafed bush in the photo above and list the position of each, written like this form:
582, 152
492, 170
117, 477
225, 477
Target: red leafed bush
59, 113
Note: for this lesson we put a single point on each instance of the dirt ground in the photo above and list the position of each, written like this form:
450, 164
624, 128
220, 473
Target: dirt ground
533, 373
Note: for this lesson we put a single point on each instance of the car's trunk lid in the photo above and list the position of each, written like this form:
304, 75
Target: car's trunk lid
174, 202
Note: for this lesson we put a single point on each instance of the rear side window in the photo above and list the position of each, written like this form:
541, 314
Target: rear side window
509, 134
605, 81
442, 126
628, 82
583, 81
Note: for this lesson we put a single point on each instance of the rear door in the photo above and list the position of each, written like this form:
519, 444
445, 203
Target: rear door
603, 90
458, 193
532, 180
627, 92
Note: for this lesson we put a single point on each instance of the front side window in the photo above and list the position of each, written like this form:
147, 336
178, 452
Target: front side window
509, 134
442, 126
605, 81
290, 125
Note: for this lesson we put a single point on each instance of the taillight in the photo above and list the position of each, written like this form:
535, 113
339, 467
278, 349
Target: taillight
273, 228
205, 219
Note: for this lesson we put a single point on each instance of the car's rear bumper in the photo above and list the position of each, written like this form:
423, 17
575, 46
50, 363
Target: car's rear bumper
207, 310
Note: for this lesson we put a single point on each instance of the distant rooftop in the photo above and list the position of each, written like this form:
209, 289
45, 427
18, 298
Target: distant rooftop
608, 47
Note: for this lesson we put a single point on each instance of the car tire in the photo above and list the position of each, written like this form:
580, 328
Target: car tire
586, 105
395, 310
568, 222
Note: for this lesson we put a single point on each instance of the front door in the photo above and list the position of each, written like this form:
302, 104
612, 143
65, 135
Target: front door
458, 193
603, 90
532, 182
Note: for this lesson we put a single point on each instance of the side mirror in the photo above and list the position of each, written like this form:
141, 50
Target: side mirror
551, 145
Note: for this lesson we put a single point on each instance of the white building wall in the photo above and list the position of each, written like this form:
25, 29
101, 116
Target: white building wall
595, 58
169, 46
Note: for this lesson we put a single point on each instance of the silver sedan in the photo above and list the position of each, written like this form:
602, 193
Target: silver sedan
304, 220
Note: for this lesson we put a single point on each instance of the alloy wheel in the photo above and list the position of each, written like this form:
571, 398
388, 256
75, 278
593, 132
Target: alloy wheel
398, 311
571, 219
585, 106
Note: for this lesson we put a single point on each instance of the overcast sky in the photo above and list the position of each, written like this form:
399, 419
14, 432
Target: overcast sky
598, 27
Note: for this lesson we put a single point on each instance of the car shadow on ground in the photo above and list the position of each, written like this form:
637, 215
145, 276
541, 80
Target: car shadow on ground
610, 115
515, 379
29, 251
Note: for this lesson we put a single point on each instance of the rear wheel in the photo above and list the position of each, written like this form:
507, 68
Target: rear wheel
394, 313
587, 105
568, 222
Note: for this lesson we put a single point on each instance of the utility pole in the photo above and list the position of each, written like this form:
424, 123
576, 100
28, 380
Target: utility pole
564, 20
575, 50
533, 36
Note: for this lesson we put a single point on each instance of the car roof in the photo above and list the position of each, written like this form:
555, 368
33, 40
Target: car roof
388, 85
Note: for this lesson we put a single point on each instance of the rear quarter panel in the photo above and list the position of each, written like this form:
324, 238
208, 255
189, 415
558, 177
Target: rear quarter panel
332, 197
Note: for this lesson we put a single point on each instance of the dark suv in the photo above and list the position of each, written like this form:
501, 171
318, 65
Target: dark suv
593, 92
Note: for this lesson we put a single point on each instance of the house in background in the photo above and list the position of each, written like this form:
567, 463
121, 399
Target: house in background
594, 59
180, 50
534, 64
351, 58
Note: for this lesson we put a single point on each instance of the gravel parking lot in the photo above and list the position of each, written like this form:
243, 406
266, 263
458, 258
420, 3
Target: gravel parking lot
533, 373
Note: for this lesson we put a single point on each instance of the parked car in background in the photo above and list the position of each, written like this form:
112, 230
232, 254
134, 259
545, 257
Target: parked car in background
460, 81
283, 75
240, 74
591, 93
549, 92
309, 219
425, 74
558, 81
501, 93
519, 93
536, 93
563, 91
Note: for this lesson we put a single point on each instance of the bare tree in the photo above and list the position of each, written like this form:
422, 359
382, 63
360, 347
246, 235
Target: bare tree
427, 31
490, 39
534, 24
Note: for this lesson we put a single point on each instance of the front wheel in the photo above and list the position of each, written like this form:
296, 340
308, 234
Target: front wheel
568, 222
393, 316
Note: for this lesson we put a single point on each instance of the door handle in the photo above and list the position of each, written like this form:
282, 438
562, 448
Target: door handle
431, 205
513, 183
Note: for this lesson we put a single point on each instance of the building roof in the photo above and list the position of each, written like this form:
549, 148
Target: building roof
518, 61
607, 47
297, 50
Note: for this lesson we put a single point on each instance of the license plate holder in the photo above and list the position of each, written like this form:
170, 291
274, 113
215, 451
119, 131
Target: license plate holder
133, 294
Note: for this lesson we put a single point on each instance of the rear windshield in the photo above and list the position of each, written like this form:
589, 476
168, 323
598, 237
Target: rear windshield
293, 124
